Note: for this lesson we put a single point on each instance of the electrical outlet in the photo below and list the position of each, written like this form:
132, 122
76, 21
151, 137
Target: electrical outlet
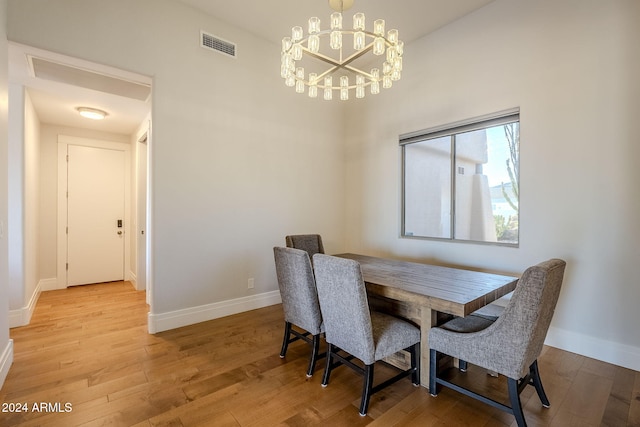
250, 283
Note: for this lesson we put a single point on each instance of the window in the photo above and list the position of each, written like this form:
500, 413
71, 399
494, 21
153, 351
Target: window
460, 182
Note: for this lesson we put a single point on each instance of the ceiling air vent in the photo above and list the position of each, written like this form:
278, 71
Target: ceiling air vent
209, 41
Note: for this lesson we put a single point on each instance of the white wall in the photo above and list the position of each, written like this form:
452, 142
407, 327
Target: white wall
31, 204
22, 228
571, 67
6, 345
237, 160
15, 195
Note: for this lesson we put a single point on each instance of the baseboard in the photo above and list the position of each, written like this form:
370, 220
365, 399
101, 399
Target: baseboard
6, 359
607, 351
49, 285
22, 316
15, 318
176, 319
134, 280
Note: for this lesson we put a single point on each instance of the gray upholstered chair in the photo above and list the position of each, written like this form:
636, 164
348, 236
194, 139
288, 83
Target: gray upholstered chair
351, 328
509, 345
476, 321
312, 243
299, 301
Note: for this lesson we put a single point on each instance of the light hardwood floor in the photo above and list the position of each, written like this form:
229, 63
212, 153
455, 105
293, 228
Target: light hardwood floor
88, 347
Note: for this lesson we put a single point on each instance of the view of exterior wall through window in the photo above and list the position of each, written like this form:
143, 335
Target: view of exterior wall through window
461, 182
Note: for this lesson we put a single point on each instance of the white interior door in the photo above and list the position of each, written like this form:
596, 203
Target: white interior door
95, 215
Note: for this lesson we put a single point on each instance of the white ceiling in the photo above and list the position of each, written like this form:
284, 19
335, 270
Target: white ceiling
273, 19
56, 103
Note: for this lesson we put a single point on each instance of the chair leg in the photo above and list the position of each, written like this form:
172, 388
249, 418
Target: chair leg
415, 364
285, 340
328, 365
432, 372
367, 388
516, 405
537, 383
314, 355
462, 365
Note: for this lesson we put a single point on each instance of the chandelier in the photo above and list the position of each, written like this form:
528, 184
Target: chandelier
343, 66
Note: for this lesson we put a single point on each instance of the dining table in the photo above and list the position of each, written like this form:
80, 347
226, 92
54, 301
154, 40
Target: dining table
428, 294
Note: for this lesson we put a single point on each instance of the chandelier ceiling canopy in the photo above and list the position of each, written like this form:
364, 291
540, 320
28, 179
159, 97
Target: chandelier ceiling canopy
349, 59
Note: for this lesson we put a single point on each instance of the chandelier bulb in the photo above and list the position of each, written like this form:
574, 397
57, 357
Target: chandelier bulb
314, 25
378, 27
344, 88
328, 88
314, 43
336, 21
313, 85
358, 40
296, 34
358, 21
392, 36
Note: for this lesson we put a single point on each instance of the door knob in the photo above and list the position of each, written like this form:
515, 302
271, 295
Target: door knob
119, 232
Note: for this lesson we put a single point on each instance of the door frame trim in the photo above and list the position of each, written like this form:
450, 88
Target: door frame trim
63, 142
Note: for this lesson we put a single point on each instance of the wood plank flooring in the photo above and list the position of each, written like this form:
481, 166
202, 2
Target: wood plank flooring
88, 358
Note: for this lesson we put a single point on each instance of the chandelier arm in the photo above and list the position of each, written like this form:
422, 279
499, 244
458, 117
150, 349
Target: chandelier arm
321, 57
339, 63
356, 55
321, 76
359, 71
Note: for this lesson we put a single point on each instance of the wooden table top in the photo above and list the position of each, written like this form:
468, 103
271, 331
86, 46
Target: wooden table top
449, 290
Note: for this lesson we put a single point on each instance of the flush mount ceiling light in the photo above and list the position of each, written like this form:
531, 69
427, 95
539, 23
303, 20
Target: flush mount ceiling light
307, 69
92, 113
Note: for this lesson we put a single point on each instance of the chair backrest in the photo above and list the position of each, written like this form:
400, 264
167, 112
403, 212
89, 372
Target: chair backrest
312, 243
344, 305
298, 289
520, 331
